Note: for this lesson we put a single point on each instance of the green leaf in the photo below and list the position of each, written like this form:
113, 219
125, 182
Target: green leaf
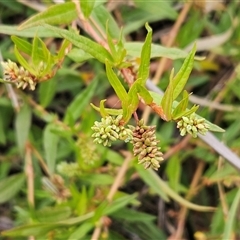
152, 180
28, 33
227, 234
22, 126
97, 179
134, 49
47, 61
63, 13
173, 171
26, 47
111, 45
50, 144
214, 127
166, 190
144, 93
89, 46
116, 83
101, 15
79, 55
167, 100
121, 52
102, 108
53, 214
222, 173
39, 229
2, 129
23, 62
119, 203
181, 107
131, 105
87, 7
77, 106
46, 92
82, 204
10, 186
144, 12
62, 51
110, 111
22, 45
36, 52
180, 80
193, 109
81, 231
36, 229
143, 72
157, 98
131, 215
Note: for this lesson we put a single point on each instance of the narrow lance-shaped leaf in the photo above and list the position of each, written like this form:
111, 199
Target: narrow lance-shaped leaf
82, 230
152, 180
167, 100
157, 98
10, 186
111, 44
35, 53
62, 51
26, 47
134, 49
144, 93
180, 80
22, 126
76, 107
166, 190
22, 45
110, 111
132, 104
27, 33
39, 229
50, 143
127, 111
193, 109
119, 203
214, 127
102, 108
46, 91
227, 234
116, 83
63, 13
173, 171
181, 107
87, 7
89, 46
23, 62
145, 57
121, 51
48, 60
101, 15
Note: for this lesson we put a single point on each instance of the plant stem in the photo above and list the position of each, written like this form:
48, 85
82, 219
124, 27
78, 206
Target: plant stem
117, 183
183, 212
30, 179
162, 63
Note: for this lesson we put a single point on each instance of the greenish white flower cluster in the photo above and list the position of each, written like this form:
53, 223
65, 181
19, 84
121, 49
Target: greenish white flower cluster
18, 75
110, 130
88, 151
192, 125
145, 146
68, 169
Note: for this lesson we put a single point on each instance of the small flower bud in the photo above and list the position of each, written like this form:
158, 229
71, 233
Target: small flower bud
110, 130
145, 146
20, 76
192, 125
